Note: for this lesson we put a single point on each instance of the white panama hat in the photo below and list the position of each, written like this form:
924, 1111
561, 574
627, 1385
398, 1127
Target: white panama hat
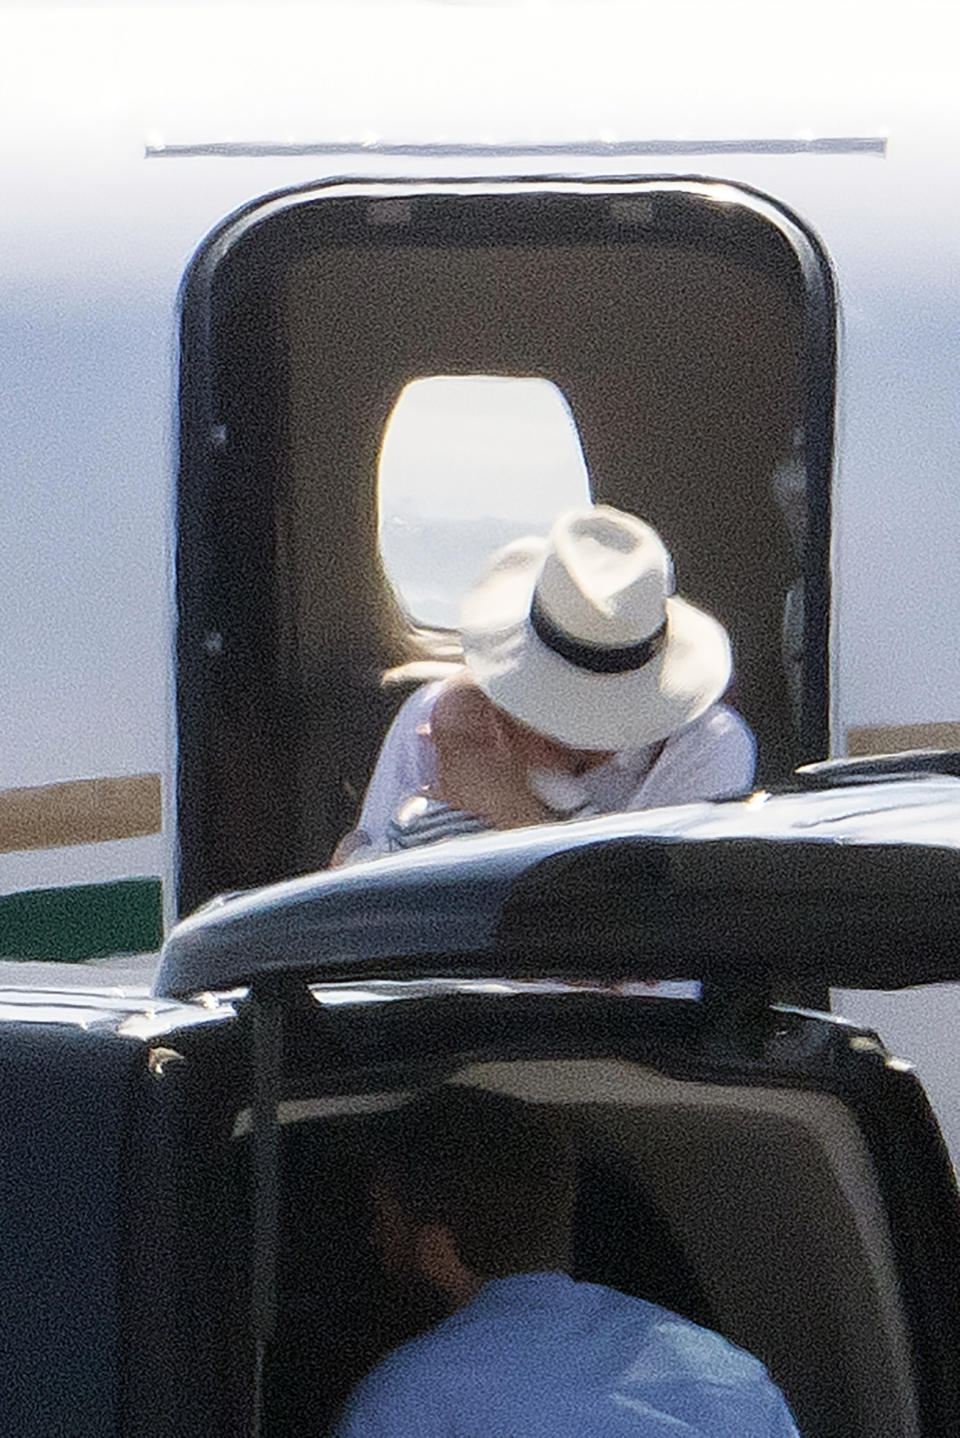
581, 637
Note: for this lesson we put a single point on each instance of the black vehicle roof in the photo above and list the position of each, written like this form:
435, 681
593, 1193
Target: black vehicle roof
856, 886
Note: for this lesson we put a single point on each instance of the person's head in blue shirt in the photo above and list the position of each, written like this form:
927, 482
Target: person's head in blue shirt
470, 1185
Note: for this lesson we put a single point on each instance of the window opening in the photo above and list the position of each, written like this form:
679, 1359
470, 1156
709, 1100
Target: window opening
468, 463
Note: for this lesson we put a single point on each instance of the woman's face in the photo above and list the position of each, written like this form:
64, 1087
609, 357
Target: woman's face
464, 716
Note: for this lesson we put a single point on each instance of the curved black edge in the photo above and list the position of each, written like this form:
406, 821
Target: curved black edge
745, 915
905, 765
198, 418
919, 1192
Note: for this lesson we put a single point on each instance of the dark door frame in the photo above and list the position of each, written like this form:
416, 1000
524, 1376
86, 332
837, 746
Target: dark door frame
227, 609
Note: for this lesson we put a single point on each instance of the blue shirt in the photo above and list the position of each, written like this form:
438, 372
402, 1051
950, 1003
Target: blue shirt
540, 1356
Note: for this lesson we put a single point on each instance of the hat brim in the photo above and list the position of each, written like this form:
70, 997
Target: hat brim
576, 706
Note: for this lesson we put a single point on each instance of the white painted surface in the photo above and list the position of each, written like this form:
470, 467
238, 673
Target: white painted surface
145, 857
95, 239
123, 974
921, 1026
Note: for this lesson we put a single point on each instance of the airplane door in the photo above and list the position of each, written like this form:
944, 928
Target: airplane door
688, 325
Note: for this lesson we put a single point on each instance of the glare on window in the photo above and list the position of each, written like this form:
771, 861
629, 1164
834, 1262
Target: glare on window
467, 463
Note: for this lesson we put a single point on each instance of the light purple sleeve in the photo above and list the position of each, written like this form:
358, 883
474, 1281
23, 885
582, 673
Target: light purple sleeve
714, 756
405, 765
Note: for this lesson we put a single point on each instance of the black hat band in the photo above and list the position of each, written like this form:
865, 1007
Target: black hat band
597, 658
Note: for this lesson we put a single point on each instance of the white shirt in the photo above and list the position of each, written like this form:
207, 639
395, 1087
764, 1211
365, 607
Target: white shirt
710, 758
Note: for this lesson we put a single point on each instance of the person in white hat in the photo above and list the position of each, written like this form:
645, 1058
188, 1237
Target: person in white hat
588, 687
